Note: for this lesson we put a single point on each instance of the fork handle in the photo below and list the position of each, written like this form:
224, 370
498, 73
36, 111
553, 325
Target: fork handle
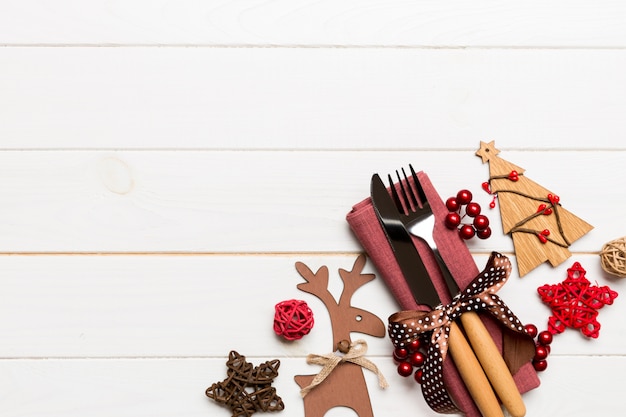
493, 364
472, 374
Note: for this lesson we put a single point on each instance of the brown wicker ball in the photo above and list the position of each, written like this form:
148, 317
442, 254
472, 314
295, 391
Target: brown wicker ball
613, 257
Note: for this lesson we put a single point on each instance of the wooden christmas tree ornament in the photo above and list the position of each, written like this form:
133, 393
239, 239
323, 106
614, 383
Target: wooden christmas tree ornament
341, 382
540, 228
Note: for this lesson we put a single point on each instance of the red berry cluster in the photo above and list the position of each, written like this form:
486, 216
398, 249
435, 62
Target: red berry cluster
542, 347
409, 358
480, 224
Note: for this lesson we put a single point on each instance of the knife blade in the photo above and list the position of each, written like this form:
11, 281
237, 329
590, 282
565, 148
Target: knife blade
415, 274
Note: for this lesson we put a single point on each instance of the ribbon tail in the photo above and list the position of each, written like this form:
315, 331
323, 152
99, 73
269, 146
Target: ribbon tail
329, 362
370, 366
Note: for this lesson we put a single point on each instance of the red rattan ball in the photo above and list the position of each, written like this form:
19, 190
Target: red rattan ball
293, 319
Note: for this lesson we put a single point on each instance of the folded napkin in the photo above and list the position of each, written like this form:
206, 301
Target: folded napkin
366, 227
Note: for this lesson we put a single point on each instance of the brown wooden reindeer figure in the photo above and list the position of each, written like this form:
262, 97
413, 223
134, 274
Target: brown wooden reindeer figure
345, 384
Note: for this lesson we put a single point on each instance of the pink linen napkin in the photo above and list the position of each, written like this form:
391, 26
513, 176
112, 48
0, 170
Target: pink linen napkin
364, 224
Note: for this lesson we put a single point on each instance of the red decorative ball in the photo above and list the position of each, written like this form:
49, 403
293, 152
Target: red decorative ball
467, 232
531, 330
415, 345
418, 376
417, 359
293, 319
481, 222
540, 353
484, 233
400, 354
544, 338
405, 369
452, 220
464, 197
540, 365
452, 204
472, 209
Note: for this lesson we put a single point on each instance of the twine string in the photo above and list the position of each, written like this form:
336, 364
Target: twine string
356, 355
613, 257
518, 227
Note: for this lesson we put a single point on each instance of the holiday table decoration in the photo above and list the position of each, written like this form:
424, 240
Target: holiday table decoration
340, 383
407, 326
575, 302
462, 206
293, 319
541, 229
516, 348
247, 388
613, 257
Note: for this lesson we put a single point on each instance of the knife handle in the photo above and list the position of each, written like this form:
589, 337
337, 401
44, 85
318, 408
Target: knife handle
472, 374
493, 364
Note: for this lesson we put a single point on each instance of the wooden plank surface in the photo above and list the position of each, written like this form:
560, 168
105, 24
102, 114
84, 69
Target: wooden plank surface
311, 98
163, 387
203, 306
299, 23
258, 201
163, 165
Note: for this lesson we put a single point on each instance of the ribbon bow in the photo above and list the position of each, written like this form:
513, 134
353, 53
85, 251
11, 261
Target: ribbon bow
406, 326
354, 354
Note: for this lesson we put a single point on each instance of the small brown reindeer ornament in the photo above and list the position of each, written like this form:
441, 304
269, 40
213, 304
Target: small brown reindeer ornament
342, 381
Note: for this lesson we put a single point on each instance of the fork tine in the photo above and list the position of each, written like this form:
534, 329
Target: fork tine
418, 186
405, 196
411, 192
394, 193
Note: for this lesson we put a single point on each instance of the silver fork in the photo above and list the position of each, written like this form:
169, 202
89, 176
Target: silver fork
421, 222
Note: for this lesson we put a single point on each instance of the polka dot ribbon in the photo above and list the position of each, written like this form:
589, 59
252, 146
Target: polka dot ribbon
406, 326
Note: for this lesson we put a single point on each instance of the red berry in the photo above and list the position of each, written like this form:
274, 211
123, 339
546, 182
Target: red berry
415, 345
472, 209
452, 204
484, 234
417, 359
400, 354
544, 338
467, 232
464, 197
540, 353
418, 376
481, 222
405, 369
531, 330
540, 365
452, 220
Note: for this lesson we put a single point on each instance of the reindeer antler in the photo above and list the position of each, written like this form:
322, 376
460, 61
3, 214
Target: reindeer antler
354, 279
317, 284
344, 318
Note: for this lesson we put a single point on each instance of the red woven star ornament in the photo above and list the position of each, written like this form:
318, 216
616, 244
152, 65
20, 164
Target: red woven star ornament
575, 303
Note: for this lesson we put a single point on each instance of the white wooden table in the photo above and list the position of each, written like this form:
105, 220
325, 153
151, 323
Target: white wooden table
163, 165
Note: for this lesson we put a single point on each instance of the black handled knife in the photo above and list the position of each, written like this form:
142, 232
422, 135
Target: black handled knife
409, 260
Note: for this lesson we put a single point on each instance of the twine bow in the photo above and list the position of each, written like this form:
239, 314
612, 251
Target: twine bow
355, 354
406, 326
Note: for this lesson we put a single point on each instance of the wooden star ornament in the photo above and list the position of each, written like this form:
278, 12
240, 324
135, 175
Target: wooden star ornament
575, 302
247, 388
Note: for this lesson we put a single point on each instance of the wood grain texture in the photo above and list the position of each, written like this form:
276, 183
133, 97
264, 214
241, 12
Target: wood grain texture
317, 98
199, 306
155, 387
159, 160
310, 23
256, 201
